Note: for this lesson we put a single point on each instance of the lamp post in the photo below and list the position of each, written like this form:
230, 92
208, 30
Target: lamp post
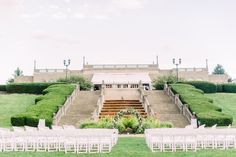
177, 67
66, 64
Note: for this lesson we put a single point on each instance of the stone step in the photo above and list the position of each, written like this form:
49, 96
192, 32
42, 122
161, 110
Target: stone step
178, 120
123, 101
124, 105
115, 103
114, 113
103, 116
165, 109
81, 109
117, 110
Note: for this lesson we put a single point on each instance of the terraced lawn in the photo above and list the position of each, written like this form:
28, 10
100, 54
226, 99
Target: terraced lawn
128, 147
227, 101
12, 104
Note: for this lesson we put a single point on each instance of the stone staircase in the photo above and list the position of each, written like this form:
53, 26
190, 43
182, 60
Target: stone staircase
81, 109
112, 107
165, 109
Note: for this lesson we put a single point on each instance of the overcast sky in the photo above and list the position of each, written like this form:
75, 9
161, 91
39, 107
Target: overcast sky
116, 31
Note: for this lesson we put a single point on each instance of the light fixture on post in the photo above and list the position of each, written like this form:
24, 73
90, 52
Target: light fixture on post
177, 67
66, 64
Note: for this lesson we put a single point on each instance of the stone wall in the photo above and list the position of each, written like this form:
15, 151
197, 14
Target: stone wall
24, 79
218, 78
119, 93
48, 75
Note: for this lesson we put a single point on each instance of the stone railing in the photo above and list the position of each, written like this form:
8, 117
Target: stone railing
184, 109
120, 66
49, 70
146, 105
63, 109
100, 102
192, 69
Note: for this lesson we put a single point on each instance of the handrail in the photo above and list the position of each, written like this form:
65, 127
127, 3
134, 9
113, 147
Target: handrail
63, 109
145, 103
184, 109
100, 102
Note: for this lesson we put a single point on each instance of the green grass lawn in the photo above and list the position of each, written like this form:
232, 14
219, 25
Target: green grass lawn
227, 101
13, 104
128, 147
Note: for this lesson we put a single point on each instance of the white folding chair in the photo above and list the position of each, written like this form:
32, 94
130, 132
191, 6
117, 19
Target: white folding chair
105, 144
8, 141
19, 138
82, 144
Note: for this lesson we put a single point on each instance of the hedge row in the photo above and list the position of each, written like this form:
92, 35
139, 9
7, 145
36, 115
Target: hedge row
206, 87
3, 88
207, 113
31, 88
209, 87
226, 88
48, 104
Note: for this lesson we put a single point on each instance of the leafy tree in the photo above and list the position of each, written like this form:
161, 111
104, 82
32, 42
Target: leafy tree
84, 84
160, 81
10, 80
219, 70
18, 72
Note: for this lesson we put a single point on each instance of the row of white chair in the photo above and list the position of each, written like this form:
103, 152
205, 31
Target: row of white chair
183, 139
67, 139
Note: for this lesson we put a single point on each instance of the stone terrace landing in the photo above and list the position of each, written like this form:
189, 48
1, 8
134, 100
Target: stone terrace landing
112, 107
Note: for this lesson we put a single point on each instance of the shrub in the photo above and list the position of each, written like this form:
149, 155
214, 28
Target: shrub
87, 125
151, 122
130, 122
3, 88
166, 125
207, 112
121, 127
31, 88
48, 104
84, 84
106, 122
220, 88
126, 124
206, 87
160, 81
18, 120
229, 88
211, 118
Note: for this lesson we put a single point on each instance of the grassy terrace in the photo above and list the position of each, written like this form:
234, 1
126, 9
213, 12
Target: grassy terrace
227, 101
13, 104
128, 147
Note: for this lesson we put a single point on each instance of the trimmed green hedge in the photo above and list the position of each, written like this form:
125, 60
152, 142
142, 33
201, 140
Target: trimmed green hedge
219, 88
211, 118
229, 88
207, 113
31, 88
3, 88
48, 104
206, 87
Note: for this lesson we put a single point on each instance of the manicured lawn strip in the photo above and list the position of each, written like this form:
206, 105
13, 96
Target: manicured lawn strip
227, 101
207, 112
128, 147
13, 104
46, 105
